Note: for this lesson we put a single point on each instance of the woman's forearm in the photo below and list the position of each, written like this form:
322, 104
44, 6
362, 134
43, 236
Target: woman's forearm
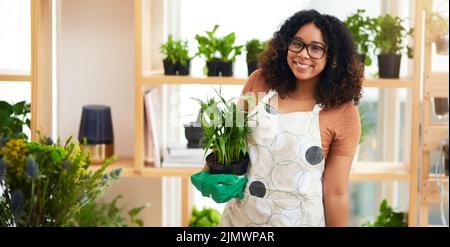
336, 208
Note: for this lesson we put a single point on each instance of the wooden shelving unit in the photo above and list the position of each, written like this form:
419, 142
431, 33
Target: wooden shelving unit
436, 84
362, 171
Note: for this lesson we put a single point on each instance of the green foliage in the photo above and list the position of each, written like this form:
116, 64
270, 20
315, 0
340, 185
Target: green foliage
104, 214
176, 51
207, 217
388, 218
390, 35
45, 183
359, 26
254, 47
13, 118
213, 48
225, 127
437, 24
366, 125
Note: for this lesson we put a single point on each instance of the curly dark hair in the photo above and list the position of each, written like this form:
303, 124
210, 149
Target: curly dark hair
337, 85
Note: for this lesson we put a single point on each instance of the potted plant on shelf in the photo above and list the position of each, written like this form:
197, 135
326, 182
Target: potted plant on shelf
228, 52
390, 41
207, 48
436, 28
225, 127
254, 48
177, 59
359, 26
219, 53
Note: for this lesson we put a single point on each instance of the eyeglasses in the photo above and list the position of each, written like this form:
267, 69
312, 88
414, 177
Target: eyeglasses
314, 51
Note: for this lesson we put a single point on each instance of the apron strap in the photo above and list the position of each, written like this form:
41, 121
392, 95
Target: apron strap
269, 95
317, 108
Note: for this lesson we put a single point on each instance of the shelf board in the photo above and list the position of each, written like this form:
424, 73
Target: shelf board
169, 172
15, 75
388, 83
157, 78
126, 163
379, 171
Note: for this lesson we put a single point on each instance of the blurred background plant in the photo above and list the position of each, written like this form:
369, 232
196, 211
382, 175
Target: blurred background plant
207, 217
107, 214
12, 119
388, 218
45, 184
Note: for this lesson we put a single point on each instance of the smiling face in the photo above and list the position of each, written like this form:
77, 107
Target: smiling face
304, 65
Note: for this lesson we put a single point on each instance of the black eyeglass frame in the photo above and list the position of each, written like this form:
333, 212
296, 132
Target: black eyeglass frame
325, 51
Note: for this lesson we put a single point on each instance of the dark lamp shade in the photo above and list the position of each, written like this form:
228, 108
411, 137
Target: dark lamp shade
96, 125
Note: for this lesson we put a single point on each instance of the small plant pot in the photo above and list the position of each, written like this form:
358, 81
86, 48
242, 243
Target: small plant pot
193, 135
442, 45
226, 68
251, 67
389, 65
236, 167
169, 67
213, 68
440, 106
184, 69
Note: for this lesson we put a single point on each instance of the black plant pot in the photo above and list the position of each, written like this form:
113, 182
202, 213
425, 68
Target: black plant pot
251, 67
169, 67
226, 68
389, 65
193, 135
213, 68
440, 106
184, 69
236, 167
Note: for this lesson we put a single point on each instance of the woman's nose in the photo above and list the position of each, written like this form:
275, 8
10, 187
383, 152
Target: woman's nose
303, 53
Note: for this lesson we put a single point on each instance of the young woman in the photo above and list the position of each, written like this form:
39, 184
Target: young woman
307, 130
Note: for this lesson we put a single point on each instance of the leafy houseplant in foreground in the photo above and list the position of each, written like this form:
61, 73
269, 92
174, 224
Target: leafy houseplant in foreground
106, 214
207, 217
388, 218
45, 183
225, 127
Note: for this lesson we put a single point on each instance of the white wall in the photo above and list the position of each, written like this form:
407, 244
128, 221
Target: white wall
96, 66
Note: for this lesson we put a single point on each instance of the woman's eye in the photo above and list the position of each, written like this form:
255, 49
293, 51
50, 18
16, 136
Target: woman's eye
316, 48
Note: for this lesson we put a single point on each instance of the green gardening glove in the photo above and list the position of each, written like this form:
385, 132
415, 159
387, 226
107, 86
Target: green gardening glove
221, 187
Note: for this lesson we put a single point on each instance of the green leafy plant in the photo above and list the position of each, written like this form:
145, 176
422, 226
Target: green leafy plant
207, 217
213, 48
45, 183
106, 214
176, 51
390, 35
254, 47
13, 118
436, 22
388, 218
360, 28
208, 45
225, 127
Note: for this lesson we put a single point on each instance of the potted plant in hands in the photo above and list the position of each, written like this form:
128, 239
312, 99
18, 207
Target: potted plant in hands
436, 28
225, 127
359, 26
254, 47
390, 41
177, 59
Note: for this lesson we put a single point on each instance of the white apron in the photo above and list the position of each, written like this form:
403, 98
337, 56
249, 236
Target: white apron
284, 185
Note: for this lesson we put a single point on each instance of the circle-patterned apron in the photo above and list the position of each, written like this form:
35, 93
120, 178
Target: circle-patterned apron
285, 174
